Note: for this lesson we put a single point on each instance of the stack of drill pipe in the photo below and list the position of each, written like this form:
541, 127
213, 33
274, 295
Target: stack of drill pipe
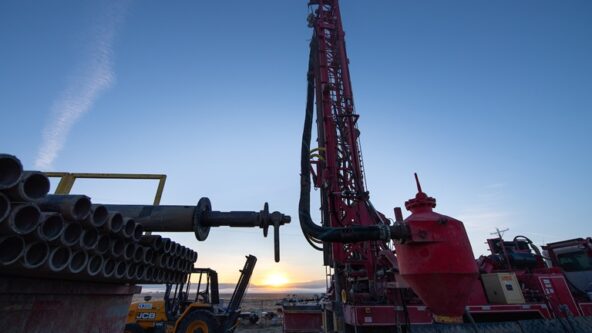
67, 237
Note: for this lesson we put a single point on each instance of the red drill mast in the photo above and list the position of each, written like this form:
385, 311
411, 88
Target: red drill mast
356, 239
339, 171
338, 168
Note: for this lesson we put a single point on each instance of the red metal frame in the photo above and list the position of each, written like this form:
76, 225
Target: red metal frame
339, 168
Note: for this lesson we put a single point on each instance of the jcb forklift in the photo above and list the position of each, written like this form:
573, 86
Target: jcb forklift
203, 313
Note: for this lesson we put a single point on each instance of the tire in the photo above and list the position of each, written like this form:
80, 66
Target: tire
199, 321
133, 328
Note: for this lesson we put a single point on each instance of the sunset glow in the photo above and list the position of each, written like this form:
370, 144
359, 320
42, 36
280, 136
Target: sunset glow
276, 280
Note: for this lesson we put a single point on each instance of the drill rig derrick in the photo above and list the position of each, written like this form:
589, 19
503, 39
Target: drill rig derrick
352, 232
356, 239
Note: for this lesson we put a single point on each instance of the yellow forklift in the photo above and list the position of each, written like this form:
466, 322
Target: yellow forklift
187, 310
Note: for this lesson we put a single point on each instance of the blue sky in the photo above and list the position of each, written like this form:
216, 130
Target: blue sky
489, 101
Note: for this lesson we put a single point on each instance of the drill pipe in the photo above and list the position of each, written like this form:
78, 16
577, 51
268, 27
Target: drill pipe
195, 218
138, 231
170, 263
138, 253
33, 185
159, 276
155, 274
23, 219
4, 207
140, 272
201, 218
72, 207
11, 170
128, 251
71, 235
97, 218
127, 231
154, 241
12, 248
166, 245
114, 223
103, 245
50, 229
89, 238
36, 254
160, 260
130, 272
108, 268
58, 260
78, 262
94, 266
146, 273
117, 247
148, 255
120, 269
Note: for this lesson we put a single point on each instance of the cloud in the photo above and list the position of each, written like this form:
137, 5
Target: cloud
95, 76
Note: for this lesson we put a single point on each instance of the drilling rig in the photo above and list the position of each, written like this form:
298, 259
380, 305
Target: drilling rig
356, 239
386, 275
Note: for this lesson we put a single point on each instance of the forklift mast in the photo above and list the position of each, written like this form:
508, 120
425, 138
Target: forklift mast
233, 309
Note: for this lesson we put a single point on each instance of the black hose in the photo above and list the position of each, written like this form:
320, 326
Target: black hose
350, 234
311, 241
530, 243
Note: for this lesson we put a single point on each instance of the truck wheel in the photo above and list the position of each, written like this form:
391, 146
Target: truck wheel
199, 322
133, 328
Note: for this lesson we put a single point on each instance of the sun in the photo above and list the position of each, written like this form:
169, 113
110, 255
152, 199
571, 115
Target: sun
276, 280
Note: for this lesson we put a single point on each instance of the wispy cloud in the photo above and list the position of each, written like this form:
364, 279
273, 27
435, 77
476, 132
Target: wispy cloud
94, 76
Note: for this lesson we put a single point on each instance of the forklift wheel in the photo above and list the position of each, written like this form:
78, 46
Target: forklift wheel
199, 321
133, 328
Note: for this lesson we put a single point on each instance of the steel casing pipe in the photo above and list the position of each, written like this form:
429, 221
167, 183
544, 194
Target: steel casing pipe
4, 207
103, 245
78, 262
11, 171
72, 207
94, 266
154, 241
12, 248
88, 239
108, 269
114, 223
97, 218
127, 230
71, 235
23, 219
57, 262
138, 231
50, 229
117, 247
33, 185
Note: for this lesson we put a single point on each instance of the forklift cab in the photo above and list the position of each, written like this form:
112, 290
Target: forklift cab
200, 289
191, 306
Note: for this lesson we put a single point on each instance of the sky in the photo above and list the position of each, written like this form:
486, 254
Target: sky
489, 101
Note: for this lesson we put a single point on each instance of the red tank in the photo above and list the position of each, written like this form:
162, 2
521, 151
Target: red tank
437, 261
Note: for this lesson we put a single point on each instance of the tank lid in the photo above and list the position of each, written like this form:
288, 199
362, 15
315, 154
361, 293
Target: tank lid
421, 199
